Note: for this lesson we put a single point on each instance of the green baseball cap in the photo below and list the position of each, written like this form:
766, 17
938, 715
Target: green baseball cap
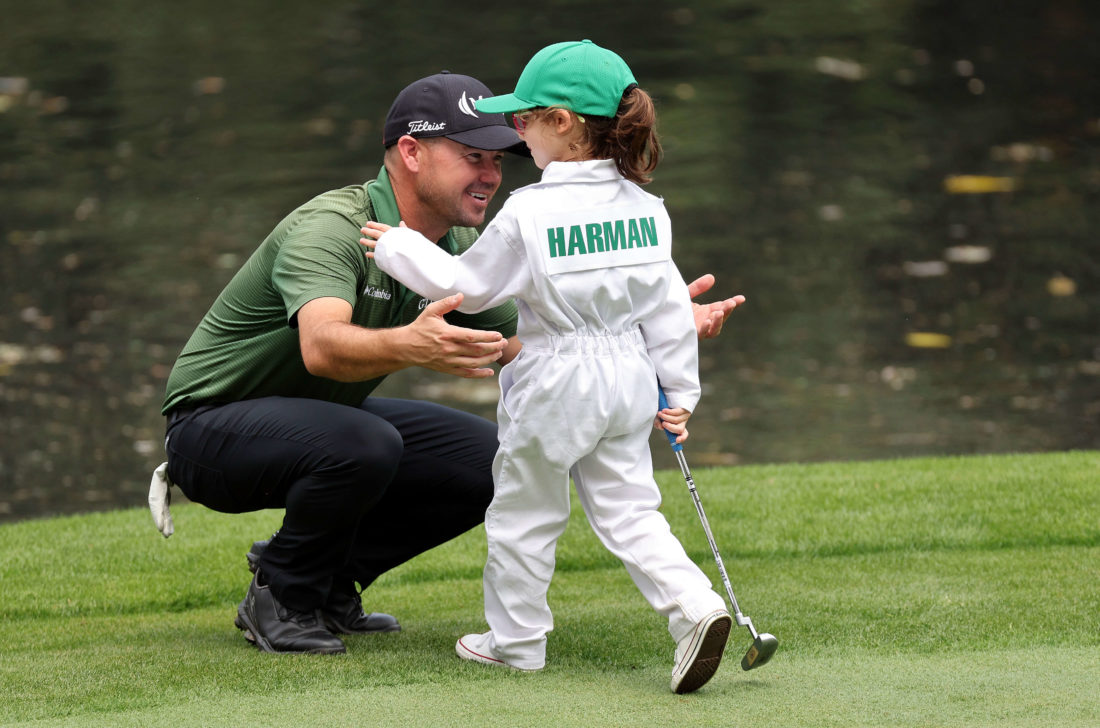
576, 75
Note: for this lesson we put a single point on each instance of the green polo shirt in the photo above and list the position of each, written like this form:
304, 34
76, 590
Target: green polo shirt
246, 346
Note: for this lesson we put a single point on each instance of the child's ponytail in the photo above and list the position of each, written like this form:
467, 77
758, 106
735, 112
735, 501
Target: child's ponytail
629, 137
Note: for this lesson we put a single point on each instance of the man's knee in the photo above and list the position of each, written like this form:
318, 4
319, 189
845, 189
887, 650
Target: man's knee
368, 458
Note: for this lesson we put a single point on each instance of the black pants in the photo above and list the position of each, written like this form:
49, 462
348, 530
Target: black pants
365, 488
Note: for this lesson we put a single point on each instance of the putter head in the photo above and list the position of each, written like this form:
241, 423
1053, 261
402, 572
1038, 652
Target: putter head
763, 647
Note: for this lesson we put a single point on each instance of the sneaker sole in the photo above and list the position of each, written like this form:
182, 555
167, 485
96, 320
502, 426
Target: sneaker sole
467, 654
704, 659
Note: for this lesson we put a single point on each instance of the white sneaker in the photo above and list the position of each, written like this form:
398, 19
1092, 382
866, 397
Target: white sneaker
476, 648
699, 654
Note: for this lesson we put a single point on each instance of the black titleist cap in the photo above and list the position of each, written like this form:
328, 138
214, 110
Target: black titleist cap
443, 105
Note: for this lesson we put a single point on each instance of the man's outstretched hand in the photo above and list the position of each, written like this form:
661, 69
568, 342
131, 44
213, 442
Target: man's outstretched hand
438, 345
709, 317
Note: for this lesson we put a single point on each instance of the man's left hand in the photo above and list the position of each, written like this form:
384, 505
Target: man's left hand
709, 317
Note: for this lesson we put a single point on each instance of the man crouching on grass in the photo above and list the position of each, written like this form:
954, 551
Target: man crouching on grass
269, 404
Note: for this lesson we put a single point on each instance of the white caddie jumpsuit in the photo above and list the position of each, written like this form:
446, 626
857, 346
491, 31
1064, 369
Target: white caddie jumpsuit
603, 312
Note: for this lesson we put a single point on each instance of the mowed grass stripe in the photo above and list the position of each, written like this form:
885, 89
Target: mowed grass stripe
999, 689
956, 591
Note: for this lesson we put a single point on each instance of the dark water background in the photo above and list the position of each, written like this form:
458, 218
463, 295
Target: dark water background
906, 191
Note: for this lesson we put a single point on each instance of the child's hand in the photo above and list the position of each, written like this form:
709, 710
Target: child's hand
673, 419
372, 231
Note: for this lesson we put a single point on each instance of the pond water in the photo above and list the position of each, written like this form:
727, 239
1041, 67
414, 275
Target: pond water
906, 192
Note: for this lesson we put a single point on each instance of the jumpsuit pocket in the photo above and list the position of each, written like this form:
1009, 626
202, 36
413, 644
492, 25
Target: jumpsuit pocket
507, 379
516, 380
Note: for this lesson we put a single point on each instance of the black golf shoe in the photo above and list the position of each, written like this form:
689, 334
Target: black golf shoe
253, 554
343, 613
273, 627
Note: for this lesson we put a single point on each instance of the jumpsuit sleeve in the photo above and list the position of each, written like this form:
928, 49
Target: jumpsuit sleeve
673, 344
490, 272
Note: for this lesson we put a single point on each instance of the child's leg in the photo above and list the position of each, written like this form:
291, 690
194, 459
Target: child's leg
530, 509
616, 487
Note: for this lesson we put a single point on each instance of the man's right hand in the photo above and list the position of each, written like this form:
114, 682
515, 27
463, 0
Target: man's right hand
437, 345
334, 348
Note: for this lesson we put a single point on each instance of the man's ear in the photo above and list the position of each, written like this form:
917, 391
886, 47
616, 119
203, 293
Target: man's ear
409, 150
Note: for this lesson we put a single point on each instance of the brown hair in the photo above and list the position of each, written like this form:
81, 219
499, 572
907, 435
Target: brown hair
629, 137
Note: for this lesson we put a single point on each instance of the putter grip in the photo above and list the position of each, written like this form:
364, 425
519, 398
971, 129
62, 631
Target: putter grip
662, 403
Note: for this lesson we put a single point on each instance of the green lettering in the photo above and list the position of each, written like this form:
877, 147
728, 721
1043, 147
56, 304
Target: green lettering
576, 240
556, 238
649, 231
613, 233
633, 240
595, 237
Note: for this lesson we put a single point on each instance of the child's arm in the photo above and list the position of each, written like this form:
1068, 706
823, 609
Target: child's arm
487, 274
673, 344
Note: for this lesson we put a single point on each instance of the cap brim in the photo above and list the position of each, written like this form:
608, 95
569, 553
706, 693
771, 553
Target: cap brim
503, 104
494, 137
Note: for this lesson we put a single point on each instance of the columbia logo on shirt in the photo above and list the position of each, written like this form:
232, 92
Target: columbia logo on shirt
377, 293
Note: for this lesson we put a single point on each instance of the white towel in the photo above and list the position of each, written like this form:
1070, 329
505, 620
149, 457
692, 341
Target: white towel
160, 496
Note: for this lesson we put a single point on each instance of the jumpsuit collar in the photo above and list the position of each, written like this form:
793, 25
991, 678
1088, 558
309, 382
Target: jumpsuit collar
592, 170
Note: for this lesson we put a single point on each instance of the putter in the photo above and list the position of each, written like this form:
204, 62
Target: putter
763, 645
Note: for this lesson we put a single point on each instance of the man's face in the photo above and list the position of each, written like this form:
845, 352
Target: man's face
456, 182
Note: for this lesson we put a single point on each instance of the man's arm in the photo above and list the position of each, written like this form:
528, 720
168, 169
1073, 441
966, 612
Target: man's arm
334, 348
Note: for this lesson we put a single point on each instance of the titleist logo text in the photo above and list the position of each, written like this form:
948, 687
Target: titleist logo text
420, 125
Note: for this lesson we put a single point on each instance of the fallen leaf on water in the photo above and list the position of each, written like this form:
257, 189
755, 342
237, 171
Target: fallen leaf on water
972, 184
968, 254
927, 340
1061, 286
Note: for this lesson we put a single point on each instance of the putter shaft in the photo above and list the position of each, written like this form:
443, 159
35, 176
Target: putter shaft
742, 620
763, 645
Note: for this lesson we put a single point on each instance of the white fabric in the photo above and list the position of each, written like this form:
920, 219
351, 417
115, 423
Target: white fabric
507, 262
478, 648
160, 497
580, 396
588, 415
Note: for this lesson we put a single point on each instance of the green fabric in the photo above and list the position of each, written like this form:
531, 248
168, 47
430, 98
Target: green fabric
246, 346
579, 76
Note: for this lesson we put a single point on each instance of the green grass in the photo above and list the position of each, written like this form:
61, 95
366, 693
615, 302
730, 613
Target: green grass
931, 592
